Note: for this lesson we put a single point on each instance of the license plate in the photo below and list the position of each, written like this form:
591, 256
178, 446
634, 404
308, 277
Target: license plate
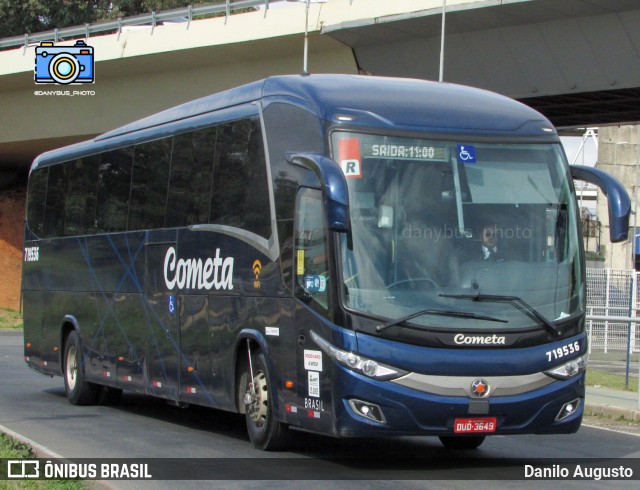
475, 425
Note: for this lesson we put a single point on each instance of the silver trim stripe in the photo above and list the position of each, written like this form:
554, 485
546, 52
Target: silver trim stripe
461, 385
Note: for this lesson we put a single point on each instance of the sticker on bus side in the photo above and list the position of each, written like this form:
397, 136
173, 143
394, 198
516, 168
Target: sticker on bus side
312, 360
466, 153
300, 265
314, 384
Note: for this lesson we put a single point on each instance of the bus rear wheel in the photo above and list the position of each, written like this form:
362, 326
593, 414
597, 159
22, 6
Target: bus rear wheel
462, 442
79, 391
264, 430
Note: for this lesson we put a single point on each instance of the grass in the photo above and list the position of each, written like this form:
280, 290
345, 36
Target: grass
10, 319
11, 449
610, 380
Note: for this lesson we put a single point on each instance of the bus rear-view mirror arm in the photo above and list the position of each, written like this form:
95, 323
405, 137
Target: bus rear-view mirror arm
334, 187
619, 203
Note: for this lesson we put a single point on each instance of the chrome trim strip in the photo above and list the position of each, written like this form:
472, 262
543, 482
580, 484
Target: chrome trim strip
461, 385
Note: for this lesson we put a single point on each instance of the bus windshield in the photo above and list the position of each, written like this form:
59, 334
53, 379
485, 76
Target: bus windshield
459, 227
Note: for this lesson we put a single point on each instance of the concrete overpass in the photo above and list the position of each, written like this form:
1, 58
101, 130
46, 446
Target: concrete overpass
576, 60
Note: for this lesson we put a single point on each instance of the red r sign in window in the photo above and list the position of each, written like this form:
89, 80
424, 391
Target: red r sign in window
349, 157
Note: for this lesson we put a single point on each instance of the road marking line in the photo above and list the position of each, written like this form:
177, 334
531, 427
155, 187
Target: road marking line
611, 430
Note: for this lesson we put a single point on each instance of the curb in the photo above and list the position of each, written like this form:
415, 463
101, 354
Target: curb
38, 450
43, 452
608, 410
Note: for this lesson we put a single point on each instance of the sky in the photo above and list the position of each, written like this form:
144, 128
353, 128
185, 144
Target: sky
587, 156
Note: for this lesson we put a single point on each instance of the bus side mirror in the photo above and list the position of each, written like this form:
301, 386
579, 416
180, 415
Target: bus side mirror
334, 187
618, 200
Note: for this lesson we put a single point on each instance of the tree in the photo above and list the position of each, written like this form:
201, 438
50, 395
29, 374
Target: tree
29, 16
19, 17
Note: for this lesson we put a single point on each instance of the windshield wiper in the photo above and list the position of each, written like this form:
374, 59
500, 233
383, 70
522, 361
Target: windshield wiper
516, 301
455, 314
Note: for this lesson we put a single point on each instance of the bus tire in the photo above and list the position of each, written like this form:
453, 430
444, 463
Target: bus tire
266, 433
462, 442
79, 391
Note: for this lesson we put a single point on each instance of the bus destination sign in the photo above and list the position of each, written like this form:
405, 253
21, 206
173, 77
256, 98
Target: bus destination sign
404, 152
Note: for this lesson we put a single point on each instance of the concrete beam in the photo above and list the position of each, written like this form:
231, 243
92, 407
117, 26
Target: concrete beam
143, 71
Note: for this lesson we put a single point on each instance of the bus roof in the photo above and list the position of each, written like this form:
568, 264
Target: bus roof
391, 103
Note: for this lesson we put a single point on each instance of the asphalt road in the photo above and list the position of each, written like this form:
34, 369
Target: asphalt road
141, 427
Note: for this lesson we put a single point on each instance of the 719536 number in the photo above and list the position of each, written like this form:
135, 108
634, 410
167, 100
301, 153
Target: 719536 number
31, 254
563, 351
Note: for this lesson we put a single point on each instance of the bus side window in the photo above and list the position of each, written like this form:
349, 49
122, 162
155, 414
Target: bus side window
240, 196
149, 184
114, 187
80, 207
312, 267
54, 213
36, 200
190, 180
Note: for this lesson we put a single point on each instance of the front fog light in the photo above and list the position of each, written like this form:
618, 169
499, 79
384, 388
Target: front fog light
568, 409
367, 410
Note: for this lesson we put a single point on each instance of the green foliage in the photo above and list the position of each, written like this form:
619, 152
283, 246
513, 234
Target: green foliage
12, 449
126, 8
610, 380
10, 319
18, 17
29, 16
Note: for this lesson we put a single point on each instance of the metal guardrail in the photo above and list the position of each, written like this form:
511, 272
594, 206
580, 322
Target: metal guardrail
629, 333
152, 19
614, 319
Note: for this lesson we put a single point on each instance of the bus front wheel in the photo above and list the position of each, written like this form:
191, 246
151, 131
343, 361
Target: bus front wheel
79, 391
264, 430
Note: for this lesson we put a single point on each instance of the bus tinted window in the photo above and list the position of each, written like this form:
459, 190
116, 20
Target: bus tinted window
114, 181
190, 182
214, 175
80, 207
149, 185
36, 198
240, 188
56, 194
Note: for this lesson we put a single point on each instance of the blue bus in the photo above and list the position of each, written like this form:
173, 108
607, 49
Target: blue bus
308, 251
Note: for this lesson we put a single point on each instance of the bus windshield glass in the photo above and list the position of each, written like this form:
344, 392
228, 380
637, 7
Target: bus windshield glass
459, 227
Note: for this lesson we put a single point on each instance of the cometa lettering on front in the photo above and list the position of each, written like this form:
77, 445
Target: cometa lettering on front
214, 272
463, 339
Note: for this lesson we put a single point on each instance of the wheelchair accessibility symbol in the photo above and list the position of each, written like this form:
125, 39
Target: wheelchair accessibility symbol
467, 153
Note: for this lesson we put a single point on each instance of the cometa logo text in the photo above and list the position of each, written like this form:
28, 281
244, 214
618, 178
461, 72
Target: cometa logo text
214, 272
462, 339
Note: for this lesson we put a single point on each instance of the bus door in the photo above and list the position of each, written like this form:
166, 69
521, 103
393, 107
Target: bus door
162, 308
312, 289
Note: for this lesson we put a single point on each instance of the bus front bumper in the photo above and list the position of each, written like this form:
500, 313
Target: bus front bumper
365, 407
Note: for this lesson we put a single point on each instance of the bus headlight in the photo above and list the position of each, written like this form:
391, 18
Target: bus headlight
362, 365
568, 369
